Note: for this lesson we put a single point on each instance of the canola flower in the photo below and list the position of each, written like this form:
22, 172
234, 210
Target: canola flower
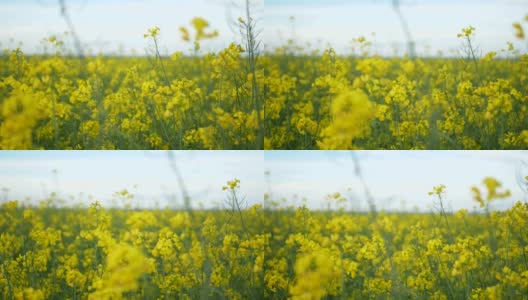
291, 98
152, 32
330, 101
95, 253
492, 185
347, 255
200, 26
265, 252
467, 32
177, 102
231, 185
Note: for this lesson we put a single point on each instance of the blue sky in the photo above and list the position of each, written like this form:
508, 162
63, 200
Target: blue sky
107, 26
434, 24
144, 173
398, 179
394, 177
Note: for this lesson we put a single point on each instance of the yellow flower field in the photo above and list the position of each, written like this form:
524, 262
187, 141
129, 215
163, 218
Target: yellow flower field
398, 256
50, 253
126, 103
330, 101
264, 252
198, 101
322, 78
287, 98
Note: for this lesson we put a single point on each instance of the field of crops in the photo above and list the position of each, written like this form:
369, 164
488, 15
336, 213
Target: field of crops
264, 252
334, 102
127, 103
398, 256
50, 253
280, 75
230, 100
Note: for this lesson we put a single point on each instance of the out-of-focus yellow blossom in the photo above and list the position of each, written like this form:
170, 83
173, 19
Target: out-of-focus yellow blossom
492, 186
519, 31
152, 32
232, 184
438, 190
466, 32
185, 34
316, 276
124, 266
352, 112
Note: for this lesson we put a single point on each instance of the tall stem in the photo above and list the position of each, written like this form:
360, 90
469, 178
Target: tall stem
405, 27
252, 48
64, 13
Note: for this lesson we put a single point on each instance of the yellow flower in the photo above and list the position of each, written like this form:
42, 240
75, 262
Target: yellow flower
231, 185
438, 190
519, 31
200, 25
466, 32
185, 34
124, 266
352, 112
152, 32
477, 196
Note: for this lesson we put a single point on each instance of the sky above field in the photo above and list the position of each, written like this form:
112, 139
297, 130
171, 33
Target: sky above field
143, 173
433, 24
397, 179
117, 26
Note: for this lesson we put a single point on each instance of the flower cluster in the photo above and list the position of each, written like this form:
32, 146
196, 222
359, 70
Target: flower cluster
336, 254
332, 101
264, 251
203, 101
94, 253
